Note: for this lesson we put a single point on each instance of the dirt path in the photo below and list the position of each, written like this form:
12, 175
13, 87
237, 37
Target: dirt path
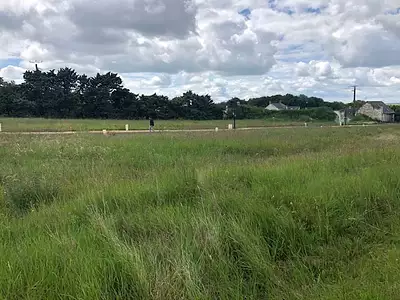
161, 131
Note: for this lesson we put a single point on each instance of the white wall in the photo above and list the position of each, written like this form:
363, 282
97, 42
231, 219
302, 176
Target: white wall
271, 107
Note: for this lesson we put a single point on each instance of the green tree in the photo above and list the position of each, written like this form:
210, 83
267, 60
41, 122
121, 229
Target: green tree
66, 94
67, 83
13, 101
98, 93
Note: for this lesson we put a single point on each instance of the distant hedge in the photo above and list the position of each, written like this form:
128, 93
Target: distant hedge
318, 113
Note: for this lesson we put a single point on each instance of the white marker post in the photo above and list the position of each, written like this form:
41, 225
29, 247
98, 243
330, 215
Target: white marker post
230, 126
126, 127
216, 129
104, 132
0, 127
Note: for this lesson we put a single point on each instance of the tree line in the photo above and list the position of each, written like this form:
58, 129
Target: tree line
66, 94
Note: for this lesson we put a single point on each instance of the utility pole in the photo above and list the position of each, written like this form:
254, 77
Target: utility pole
354, 98
36, 62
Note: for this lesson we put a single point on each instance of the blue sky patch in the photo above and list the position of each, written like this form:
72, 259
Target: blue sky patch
294, 47
314, 10
9, 62
246, 13
273, 5
395, 11
301, 53
286, 10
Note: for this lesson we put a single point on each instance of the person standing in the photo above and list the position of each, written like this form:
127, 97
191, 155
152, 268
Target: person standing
151, 124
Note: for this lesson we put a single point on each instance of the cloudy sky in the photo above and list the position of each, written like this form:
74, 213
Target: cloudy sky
226, 48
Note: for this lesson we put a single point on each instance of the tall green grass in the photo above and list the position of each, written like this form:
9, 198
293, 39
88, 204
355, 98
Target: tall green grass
283, 214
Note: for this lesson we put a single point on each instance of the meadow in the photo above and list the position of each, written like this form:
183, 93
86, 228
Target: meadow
40, 124
294, 213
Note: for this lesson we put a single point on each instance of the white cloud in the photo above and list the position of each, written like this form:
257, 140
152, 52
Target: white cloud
12, 73
316, 47
317, 69
34, 51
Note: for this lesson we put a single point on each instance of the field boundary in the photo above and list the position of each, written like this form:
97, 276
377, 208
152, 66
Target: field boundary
138, 131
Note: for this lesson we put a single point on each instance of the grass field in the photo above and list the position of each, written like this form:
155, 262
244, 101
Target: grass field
306, 213
37, 124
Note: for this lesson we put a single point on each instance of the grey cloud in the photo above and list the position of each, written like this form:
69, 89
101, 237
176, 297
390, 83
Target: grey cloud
174, 18
391, 23
107, 34
9, 21
135, 63
102, 27
368, 48
99, 42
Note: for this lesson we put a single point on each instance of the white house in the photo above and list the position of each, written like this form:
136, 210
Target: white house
280, 106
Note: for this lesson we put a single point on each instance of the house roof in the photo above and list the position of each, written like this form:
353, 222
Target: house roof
348, 110
379, 105
279, 105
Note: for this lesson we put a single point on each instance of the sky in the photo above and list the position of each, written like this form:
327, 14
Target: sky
224, 48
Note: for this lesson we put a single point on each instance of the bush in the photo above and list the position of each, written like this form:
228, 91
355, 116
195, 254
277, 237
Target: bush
305, 118
361, 119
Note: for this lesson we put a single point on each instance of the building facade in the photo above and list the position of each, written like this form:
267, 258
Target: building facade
378, 111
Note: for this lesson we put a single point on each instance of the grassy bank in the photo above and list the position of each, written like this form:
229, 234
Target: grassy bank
284, 214
37, 124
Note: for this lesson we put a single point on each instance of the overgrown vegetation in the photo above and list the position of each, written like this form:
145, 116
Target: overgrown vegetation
307, 213
319, 113
361, 119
